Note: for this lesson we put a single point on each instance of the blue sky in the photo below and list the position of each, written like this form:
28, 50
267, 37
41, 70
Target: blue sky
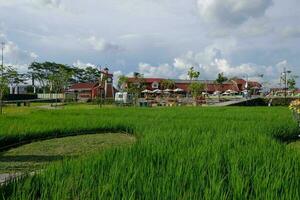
159, 38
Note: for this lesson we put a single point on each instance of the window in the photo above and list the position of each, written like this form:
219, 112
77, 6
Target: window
154, 85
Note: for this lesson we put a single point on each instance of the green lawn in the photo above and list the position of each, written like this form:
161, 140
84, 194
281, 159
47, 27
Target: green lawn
179, 153
295, 145
33, 156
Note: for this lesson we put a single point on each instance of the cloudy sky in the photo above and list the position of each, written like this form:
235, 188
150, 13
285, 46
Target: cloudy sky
159, 38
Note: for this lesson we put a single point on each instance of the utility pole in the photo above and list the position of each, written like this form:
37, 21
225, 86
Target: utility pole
285, 81
100, 84
1, 83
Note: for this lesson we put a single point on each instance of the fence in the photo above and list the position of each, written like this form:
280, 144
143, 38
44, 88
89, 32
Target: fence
15, 97
51, 96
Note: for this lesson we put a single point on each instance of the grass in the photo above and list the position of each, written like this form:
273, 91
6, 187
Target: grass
180, 153
35, 155
295, 145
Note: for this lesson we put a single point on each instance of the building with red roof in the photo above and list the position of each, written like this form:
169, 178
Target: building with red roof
210, 86
89, 91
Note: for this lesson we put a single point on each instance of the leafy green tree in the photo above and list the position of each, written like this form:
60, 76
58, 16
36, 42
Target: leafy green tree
86, 75
48, 74
15, 78
136, 86
79, 75
40, 72
60, 80
91, 75
122, 81
8, 76
167, 84
3, 86
291, 82
192, 74
196, 88
221, 79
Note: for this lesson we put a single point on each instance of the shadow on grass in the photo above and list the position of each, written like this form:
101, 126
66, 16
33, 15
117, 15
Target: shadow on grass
288, 139
33, 158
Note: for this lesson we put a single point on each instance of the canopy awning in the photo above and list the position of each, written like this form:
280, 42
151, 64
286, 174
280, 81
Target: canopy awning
178, 90
157, 91
146, 91
168, 90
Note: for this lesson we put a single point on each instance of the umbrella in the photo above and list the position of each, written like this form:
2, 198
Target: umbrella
231, 91
146, 91
158, 91
168, 90
178, 90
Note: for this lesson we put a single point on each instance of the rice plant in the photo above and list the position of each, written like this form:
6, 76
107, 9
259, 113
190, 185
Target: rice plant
180, 153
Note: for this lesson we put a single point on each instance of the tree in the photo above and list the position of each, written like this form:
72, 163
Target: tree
196, 89
86, 75
167, 84
3, 86
193, 75
48, 75
122, 81
79, 75
91, 75
136, 86
40, 73
220, 80
291, 83
60, 80
14, 78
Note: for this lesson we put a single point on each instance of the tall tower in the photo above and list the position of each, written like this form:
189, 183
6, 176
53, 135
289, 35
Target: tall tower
107, 83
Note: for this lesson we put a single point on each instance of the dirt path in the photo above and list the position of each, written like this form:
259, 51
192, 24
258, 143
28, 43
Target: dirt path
49, 107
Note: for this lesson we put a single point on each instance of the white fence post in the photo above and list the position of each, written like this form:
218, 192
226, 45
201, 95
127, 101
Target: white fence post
51, 96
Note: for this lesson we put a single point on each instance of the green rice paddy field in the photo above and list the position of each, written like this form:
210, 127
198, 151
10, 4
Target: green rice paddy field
179, 153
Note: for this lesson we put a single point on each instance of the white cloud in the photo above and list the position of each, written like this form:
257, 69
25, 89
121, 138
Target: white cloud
232, 12
51, 3
164, 70
210, 62
99, 44
83, 65
33, 3
14, 55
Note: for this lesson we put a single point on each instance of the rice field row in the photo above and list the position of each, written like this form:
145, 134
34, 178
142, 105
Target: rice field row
180, 153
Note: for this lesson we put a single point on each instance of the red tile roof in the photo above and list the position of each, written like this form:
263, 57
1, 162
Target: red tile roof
221, 88
87, 86
147, 80
254, 84
239, 81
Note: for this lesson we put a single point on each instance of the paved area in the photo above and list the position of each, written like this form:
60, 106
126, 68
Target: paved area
6, 177
228, 103
49, 107
9, 176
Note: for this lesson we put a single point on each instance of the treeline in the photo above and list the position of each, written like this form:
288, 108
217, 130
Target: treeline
47, 77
